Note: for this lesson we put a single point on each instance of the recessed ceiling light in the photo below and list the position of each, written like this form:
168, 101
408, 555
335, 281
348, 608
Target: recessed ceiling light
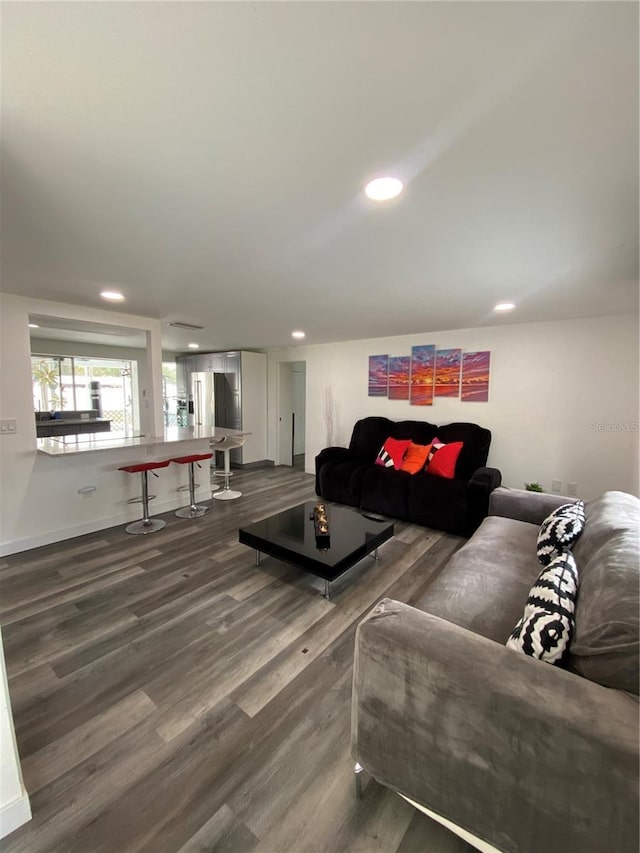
505, 306
297, 334
193, 346
34, 326
382, 189
112, 295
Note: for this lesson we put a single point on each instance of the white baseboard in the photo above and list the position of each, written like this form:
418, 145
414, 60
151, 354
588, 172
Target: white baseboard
50, 536
14, 814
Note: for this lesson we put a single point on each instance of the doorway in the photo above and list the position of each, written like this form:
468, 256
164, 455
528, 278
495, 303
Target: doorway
291, 413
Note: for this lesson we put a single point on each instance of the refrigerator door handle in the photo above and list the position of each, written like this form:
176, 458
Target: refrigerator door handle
198, 402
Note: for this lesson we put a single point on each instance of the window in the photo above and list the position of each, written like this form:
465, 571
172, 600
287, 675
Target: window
175, 413
65, 383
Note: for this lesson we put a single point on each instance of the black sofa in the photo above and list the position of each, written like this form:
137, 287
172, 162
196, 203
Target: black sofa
350, 476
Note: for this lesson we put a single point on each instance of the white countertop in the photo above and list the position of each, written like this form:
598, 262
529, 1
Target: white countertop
91, 442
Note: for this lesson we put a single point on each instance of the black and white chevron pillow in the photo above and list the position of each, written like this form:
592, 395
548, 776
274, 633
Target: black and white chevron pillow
547, 625
560, 530
384, 458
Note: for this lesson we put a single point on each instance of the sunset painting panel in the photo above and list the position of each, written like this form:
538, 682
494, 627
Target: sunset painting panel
475, 377
378, 375
448, 372
399, 367
423, 359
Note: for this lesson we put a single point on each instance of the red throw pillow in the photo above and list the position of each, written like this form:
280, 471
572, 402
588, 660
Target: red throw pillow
415, 458
442, 459
392, 453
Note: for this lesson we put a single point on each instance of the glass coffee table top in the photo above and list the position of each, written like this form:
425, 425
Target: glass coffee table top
290, 536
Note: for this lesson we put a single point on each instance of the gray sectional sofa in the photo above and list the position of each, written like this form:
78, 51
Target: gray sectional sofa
512, 753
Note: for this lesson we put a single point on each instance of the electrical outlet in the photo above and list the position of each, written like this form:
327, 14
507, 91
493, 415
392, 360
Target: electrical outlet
8, 426
556, 486
572, 490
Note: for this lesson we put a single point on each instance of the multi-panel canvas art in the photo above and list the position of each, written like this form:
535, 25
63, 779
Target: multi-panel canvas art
429, 373
399, 368
475, 377
448, 372
378, 375
423, 360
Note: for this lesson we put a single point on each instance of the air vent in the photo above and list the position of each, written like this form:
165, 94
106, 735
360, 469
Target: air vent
190, 327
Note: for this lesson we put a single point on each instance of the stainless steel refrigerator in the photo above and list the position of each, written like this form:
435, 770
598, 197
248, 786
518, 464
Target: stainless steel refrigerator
210, 395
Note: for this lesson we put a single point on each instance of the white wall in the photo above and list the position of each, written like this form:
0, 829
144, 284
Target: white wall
39, 501
558, 392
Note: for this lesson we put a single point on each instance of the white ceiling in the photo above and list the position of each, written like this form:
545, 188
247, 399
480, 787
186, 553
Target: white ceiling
208, 159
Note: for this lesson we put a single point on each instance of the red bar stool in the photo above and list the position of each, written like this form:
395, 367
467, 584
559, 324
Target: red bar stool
192, 511
147, 525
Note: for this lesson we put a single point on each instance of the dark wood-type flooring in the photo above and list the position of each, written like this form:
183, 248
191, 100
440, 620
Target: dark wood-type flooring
170, 696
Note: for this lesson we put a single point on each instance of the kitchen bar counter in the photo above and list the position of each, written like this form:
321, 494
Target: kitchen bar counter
70, 446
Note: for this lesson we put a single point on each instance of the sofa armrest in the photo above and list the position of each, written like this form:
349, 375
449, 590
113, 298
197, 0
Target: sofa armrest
522, 754
329, 454
480, 487
486, 479
521, 505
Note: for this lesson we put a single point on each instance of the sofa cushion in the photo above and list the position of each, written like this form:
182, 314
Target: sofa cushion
392, 453
476, 441
559, 531
422, 432
546, 627
341, 482
438, 502
415, 458
369, 434
485, 584
384, 491
605, 645
442, 459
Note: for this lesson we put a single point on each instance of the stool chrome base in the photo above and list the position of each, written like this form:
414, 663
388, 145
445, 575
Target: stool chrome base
226, 495
147, 525
192, 511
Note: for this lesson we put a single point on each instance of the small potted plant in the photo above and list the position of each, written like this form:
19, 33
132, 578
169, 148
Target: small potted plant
533, 487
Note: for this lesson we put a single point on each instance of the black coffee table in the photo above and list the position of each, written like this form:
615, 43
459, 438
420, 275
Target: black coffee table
290, 536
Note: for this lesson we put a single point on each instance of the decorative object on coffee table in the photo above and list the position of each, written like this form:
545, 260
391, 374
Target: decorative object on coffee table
321, 525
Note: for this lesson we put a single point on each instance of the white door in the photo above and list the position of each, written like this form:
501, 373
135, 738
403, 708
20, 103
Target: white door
285, 413
299, 405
